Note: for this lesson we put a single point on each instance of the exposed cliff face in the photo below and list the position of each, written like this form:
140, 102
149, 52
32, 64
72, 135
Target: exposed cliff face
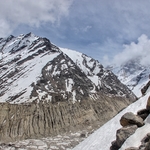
49, 90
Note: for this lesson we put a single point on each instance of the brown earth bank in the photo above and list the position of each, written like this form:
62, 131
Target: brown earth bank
45, 119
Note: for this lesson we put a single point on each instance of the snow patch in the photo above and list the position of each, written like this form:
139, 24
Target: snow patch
69, 84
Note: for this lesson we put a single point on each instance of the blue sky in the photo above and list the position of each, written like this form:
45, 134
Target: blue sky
101, 29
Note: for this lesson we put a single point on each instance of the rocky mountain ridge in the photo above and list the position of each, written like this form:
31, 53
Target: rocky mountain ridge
49, 71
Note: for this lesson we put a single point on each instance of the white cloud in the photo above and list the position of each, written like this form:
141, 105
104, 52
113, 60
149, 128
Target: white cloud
5, 27
140, 50
87, 28
32, 13
106, 60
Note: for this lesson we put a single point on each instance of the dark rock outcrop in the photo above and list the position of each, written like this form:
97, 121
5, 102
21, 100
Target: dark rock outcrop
145, 88
143, 113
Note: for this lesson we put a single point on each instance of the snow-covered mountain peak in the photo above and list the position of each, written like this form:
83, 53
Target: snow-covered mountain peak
32, 68
133, 74
12, 43
86, 63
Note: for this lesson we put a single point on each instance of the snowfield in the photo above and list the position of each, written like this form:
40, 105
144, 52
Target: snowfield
102, 138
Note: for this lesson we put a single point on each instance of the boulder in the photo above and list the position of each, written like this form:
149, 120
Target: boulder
143, 113
131, 119
121, 136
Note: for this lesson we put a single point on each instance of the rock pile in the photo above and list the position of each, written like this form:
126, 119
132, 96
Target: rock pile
130, 122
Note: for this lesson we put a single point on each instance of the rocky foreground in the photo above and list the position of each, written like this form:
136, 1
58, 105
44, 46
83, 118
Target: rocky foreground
59, 142
130, 123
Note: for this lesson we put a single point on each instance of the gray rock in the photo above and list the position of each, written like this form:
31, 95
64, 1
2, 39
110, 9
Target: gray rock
131, 119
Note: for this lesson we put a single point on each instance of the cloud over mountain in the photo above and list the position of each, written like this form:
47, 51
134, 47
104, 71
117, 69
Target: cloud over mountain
139, 50
98, 28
